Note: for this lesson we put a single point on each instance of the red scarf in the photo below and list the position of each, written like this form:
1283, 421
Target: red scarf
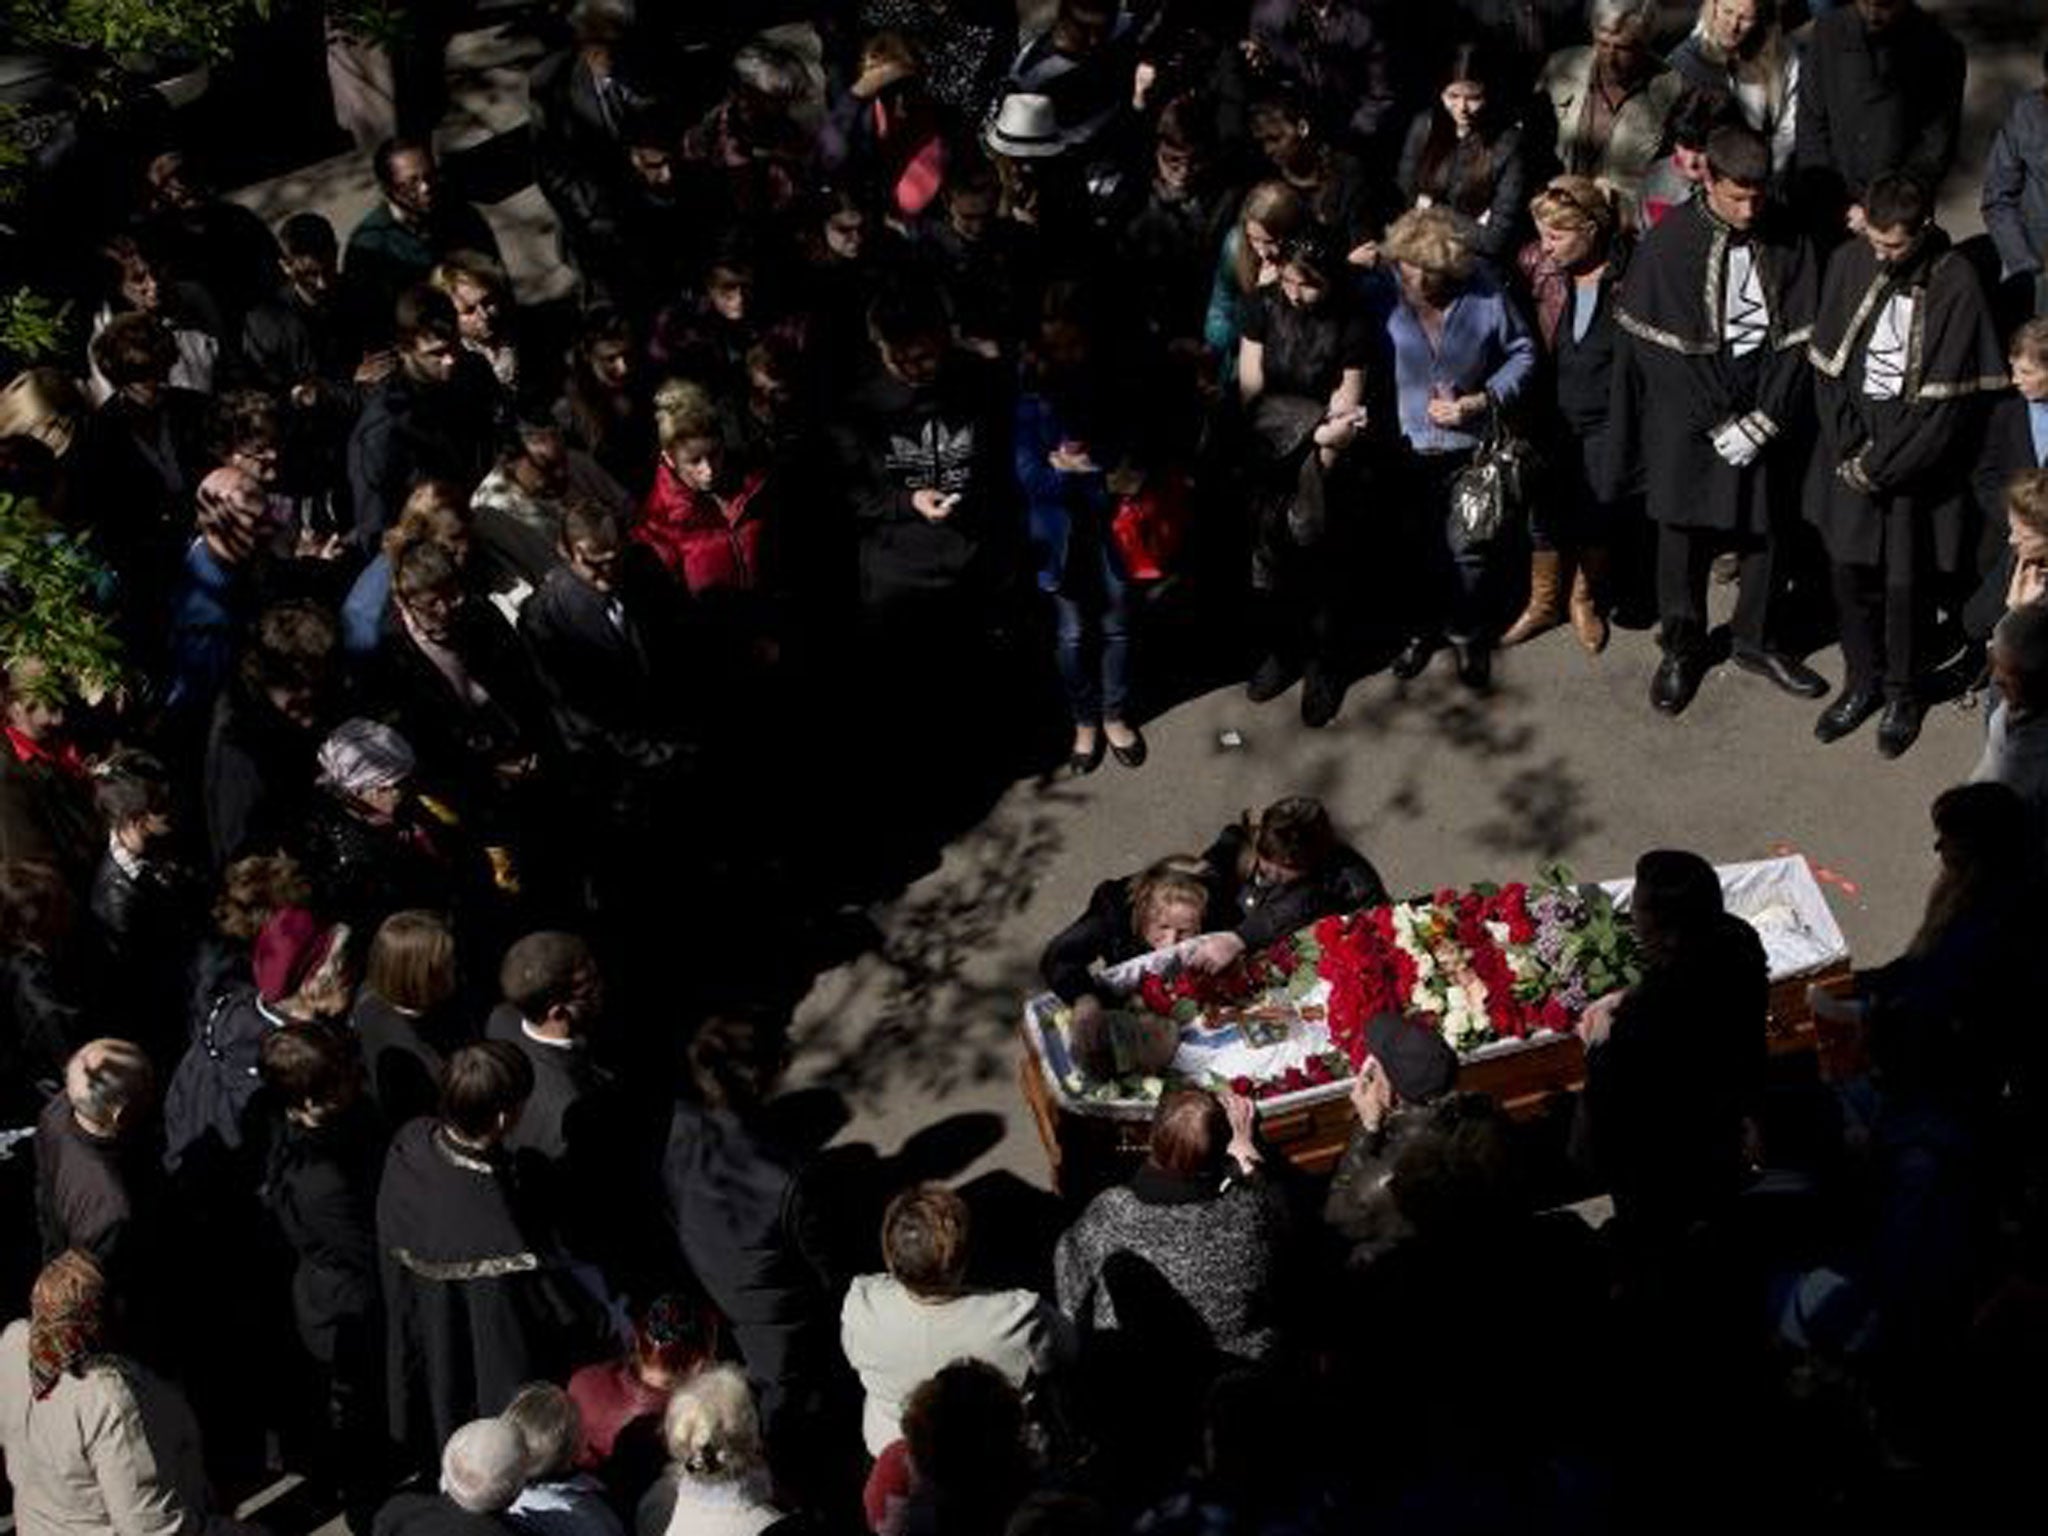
64, 758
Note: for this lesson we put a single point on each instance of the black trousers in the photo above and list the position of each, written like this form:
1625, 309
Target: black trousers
1684, 558
1878, 607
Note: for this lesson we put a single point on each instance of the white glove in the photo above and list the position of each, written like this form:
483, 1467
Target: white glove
1736, 447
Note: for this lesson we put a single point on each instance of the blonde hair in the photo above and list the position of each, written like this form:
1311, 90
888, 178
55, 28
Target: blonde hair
1180, 878
43, 404
684, 412
1577, 203
329, 986
1280, 209
473, 268
711, 1427
435, 509
1434, 239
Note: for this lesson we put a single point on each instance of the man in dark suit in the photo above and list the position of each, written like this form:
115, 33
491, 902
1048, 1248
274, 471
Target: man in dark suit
397, 243
580, 102
599, 630
552, 993
457, 683
435, 418
1880, 91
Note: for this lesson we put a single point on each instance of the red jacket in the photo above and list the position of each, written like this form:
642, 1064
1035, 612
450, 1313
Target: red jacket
707, 543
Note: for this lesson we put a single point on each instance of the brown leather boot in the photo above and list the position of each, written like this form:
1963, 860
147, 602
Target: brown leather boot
1545, 610
1589, 600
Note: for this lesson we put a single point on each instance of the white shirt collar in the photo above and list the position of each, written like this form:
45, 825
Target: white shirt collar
538, 1038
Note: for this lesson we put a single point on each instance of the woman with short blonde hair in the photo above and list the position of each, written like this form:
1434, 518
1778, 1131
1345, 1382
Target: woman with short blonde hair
1461, 357
1571, 271
1435, 240
1738, 50
717, 1478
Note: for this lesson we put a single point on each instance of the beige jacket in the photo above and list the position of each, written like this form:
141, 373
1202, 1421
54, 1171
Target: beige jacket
1638, 133
114, 1452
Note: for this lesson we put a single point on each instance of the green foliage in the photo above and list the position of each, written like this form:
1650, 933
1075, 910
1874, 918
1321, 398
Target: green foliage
1603, 949
204, 29
13, 157
33, 328
373, 23
49, 609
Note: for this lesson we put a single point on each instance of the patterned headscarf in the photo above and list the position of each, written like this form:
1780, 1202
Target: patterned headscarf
364, 755
66, 1319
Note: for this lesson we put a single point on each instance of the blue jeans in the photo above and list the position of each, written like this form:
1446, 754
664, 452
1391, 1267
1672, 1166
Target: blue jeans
1092, 605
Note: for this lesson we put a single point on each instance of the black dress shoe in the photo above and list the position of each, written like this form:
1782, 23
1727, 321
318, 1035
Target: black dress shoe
1900, 726
1475, 665
1850, 710
1271, 678
1321, 697
1414, 657
1134, 755
1677, 680
1081, 764
1787, 672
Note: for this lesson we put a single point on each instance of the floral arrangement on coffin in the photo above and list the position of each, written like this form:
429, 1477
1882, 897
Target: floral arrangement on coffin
1489, 964
1486, 965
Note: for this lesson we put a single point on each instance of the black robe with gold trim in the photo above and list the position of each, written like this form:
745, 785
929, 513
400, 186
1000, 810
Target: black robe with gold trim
474, 1307
1679, 382
1919, 447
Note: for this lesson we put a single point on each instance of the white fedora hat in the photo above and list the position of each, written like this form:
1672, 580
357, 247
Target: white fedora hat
1024, 127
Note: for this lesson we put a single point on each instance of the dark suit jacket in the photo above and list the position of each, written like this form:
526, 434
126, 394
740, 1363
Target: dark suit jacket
610, 685
1665, 1097
753, 1235
458, 742
407, 434
1873, 105
136, 475
563, 1076
578, 153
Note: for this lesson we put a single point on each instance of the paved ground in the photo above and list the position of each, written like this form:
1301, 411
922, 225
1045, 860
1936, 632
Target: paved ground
1566, 760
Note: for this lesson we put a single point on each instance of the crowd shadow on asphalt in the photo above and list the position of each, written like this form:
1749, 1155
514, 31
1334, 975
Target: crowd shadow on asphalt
1542, 803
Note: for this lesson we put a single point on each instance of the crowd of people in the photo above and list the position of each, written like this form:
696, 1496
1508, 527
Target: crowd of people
413, 822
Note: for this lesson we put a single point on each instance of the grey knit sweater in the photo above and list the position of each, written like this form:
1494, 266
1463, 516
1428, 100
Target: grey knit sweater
1219, 1255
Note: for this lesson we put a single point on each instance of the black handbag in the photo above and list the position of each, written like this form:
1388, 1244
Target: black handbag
1491, 493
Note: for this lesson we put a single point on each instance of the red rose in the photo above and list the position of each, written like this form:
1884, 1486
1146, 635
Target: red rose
1241, 1085
1554, 1016
1293, 1080
1154, 993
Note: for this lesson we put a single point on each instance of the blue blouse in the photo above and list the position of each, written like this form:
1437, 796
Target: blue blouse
1486, 344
